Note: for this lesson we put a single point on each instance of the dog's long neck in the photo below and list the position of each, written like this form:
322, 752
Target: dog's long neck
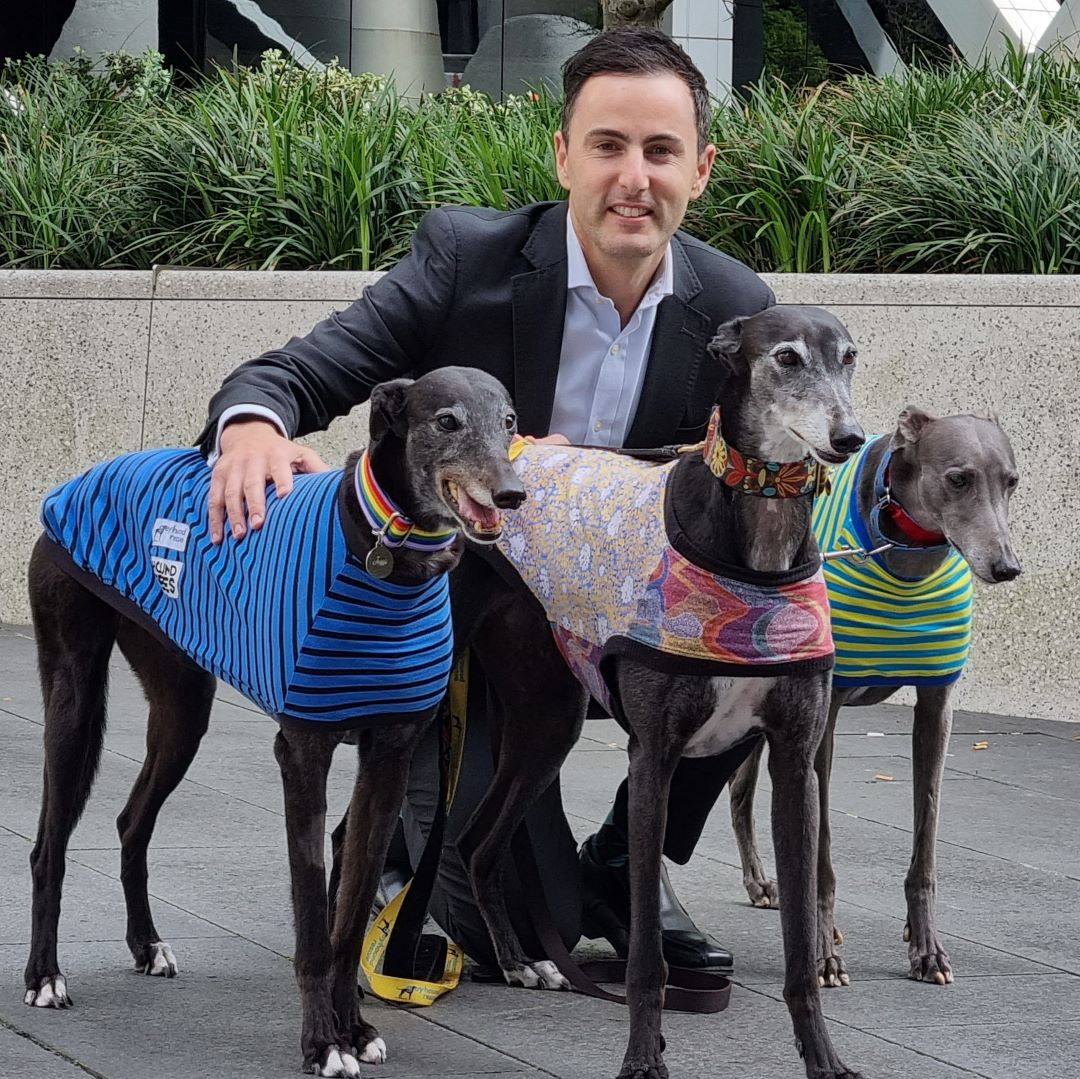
903, 483
768, 535
411, 566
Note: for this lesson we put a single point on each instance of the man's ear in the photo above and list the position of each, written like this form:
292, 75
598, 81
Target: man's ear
388, 401
726, 343
910, 426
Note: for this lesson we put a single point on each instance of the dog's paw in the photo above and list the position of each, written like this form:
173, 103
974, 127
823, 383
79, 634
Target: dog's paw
50, 993
337, 1064
640, 1070
762, 892
832, 972
157, 959
374, 1052
541, 975
929, 962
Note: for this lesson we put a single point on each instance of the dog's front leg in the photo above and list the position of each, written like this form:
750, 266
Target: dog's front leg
796, 716
304, 760
930, 740
385, 754
832, 971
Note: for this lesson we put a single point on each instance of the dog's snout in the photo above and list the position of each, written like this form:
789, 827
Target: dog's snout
509, 497
1005, 569
847, 439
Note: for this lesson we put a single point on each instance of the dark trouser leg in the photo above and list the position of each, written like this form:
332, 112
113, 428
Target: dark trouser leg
695, 787
452, 903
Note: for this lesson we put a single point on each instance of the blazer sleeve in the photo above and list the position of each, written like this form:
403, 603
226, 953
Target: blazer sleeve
384, 334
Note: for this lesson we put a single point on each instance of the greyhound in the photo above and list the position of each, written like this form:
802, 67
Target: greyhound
436, 467
949, 484
785, 377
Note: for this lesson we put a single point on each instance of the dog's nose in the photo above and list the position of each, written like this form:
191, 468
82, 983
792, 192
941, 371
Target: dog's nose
508, 498
847, 440
1008, 569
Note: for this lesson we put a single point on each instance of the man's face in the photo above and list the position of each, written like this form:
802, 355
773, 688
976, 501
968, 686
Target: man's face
631, 164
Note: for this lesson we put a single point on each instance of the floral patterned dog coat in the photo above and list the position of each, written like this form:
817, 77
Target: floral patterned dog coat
590, 543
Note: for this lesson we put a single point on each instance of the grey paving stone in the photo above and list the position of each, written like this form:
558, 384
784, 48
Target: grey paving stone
19, 1055
93, 903
234, 1006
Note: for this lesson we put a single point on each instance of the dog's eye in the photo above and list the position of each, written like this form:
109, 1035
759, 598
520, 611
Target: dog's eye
959, 480
848, 357
1011, 482
510, 422
788, 357
448, 422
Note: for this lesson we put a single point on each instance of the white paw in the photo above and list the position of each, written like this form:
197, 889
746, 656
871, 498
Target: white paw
340, 1064
162, 962
374, 1052
550, 975
52, 993
542, 975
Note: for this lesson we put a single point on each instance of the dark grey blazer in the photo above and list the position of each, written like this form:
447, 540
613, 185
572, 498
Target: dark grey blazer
484, 288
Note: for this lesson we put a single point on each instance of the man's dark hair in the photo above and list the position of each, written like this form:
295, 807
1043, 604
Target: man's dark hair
635, 50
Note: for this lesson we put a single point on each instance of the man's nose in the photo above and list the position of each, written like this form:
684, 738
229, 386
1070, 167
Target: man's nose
633, 175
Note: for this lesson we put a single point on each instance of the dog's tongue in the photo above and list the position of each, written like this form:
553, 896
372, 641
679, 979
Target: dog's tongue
487, 517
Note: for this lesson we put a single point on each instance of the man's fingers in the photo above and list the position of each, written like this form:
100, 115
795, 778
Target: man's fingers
234, 504
307, 460
255, 495
217, 506
281, 475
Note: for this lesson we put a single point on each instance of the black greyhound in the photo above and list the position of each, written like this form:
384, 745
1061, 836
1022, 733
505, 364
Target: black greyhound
438, 459
950, 481
785, 397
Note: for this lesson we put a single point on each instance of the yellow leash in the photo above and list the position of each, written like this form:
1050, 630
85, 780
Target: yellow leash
414, 990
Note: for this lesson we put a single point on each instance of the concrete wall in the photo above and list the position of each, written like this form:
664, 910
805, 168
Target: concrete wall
98, 363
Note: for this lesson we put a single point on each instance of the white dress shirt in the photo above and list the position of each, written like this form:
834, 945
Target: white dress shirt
601, 365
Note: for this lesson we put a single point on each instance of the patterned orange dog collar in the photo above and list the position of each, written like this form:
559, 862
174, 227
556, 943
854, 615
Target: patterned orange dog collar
753, 476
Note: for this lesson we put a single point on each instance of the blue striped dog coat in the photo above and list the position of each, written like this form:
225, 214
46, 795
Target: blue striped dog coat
288, 616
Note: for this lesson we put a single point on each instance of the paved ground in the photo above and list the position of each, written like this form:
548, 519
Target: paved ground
1009, 903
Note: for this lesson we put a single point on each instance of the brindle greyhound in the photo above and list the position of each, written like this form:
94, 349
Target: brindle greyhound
785, 394
953, 477
438, 451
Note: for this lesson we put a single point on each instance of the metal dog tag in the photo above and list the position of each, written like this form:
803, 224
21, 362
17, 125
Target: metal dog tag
379, 561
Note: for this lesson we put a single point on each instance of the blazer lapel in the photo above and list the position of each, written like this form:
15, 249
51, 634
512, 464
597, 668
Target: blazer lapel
679, 337
539, 304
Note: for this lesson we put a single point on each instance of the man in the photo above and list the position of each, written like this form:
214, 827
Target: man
595, 314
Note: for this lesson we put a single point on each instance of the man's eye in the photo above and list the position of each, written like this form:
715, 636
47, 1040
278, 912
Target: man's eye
448, 422
788, 358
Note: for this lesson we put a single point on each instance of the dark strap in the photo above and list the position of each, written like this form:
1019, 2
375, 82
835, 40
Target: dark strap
411, 953
685, 991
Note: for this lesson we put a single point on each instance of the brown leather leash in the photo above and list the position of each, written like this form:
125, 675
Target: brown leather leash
685, 991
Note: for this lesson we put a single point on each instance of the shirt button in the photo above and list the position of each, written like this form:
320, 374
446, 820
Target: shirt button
598, 426
614, 350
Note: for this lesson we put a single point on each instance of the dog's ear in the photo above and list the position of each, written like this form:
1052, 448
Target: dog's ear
388, 401
910, 426
726, 343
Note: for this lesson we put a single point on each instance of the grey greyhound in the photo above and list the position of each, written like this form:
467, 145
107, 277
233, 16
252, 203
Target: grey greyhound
949, 483
785, 377
378, 533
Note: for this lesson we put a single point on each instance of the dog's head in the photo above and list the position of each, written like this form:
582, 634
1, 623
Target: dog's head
789, 373
454, 426
958, 475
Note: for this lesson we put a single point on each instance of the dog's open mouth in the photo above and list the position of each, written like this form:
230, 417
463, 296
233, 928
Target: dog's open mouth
480, 520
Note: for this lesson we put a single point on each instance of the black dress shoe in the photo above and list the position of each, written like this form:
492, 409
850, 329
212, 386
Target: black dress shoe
606, 913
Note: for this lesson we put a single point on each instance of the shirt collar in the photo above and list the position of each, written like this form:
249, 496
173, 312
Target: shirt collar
579, 276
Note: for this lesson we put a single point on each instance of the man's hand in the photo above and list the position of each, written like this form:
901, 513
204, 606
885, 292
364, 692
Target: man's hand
253, 453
